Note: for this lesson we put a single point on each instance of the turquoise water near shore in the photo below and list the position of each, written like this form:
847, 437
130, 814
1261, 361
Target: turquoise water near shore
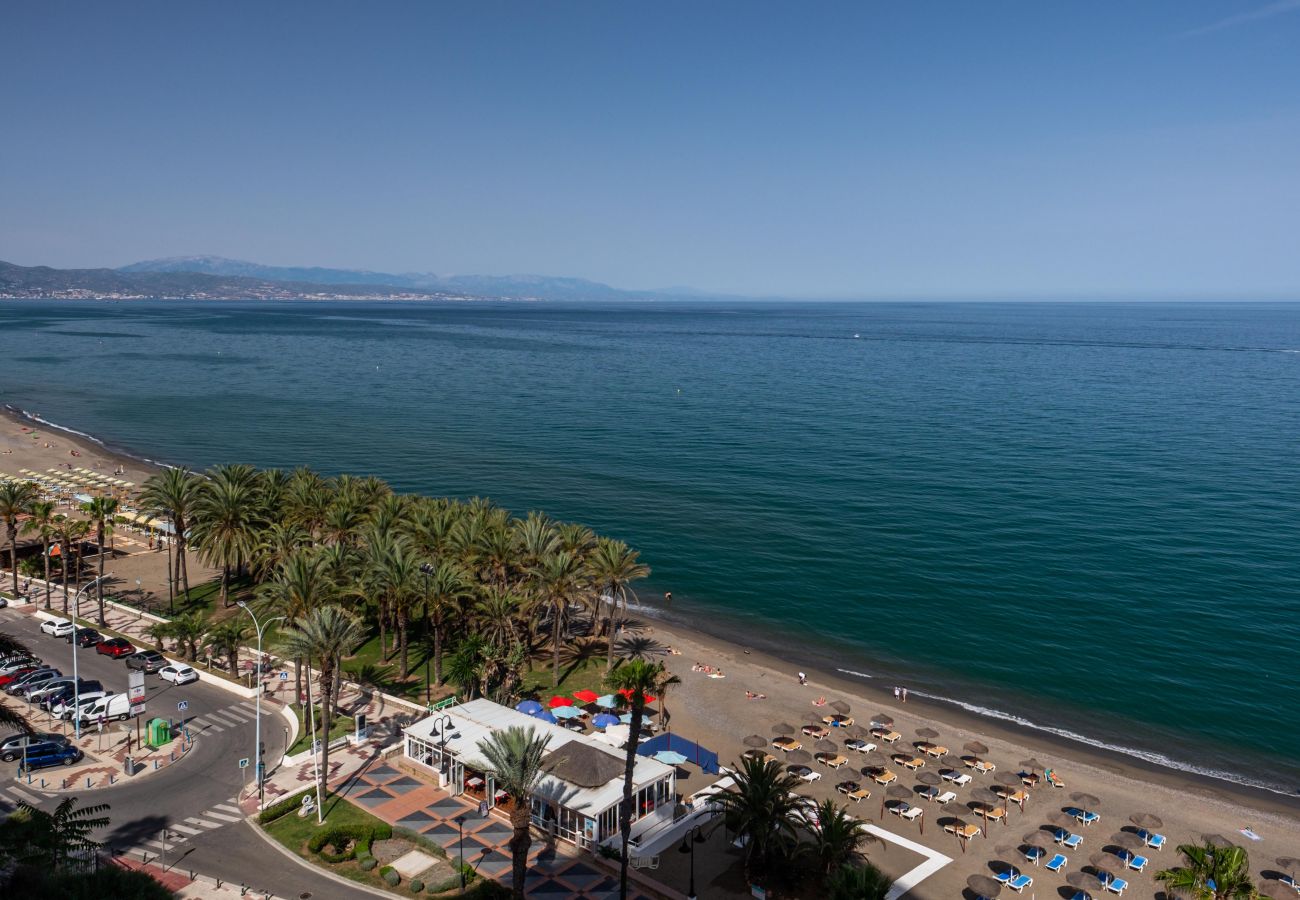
1084, 516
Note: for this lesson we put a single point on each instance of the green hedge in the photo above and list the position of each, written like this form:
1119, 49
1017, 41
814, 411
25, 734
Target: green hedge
338, 836
367, 863
282, 808
416, 886
390, 876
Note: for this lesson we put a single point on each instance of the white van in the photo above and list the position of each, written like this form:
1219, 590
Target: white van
64, 710
114, 706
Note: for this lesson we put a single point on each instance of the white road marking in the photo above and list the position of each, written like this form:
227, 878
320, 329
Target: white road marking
203, 823
934, 861
185, 829
222, 816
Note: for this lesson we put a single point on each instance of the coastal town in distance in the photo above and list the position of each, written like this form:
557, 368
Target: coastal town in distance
825, 452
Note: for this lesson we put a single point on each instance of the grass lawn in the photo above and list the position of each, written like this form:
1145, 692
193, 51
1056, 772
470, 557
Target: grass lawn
343, 725
575, 675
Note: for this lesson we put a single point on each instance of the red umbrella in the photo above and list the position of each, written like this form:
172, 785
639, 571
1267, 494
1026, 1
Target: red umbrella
585, 696
627, 694
560, 701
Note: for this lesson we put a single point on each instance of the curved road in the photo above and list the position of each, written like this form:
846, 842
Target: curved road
194, 800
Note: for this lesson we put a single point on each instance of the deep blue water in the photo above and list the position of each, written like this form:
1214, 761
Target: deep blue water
1086, 515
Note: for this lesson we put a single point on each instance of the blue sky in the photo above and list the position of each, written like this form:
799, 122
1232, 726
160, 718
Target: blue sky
1010, 149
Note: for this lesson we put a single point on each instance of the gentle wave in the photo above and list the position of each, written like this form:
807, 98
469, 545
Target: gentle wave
1148, 756
33, 417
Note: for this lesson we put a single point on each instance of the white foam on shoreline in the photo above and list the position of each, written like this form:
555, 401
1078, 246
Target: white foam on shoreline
33, 417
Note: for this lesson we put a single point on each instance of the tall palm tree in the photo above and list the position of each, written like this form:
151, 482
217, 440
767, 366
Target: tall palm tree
633, 681
225, 639
514, 757
78, 530
307, 499
837, 837
764, 809
101, 511
496, 615
300, 586
560, 581
402, 577
227, 521
188, 631
275, 543
865, 882
663, 685
614, 566
42, 522
1210, 873
172, 494
15, 497
325, 634
446, 589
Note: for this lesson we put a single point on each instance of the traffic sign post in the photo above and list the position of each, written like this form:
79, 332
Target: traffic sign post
243, 767
182, 705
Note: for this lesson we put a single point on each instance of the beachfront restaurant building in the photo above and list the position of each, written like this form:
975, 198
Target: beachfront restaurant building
579, 795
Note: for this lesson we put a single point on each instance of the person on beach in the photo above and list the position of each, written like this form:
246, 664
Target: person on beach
897, 689
752, 696
903, 691
803, 679
668, 597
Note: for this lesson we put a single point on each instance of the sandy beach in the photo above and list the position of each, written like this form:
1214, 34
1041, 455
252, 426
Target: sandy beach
716, 713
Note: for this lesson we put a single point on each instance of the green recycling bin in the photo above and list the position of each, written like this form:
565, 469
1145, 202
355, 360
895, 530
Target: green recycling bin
158, 733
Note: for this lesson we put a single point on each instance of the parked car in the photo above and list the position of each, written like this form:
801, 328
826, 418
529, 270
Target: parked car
50, 753
11, 748
178, 673
35, 682
57, 627
4, 601
84, 686
16, 658
53, 686
10, 669
149, 661
114, 706
35, 675
64, 708
115, 647
85, 637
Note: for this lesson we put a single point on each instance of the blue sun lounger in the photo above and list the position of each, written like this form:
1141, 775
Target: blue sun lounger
1057, 862
1081, 895
1034, 854
1067, 839
1153, 840
1006, 875
1135, 862
1083, 815
1019, 883
1116, 886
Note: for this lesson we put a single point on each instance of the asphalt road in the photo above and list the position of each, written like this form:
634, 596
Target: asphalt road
194, 799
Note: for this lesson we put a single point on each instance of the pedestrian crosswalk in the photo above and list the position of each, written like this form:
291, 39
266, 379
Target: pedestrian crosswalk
13, 792
183, 831
233, 716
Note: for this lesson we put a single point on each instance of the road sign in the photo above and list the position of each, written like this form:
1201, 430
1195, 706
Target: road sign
182, 706
137, 709
135, 686
243, 763
284, 676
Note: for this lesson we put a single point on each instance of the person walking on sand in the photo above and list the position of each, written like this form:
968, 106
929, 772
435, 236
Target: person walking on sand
803, 679
897, 689
904, 694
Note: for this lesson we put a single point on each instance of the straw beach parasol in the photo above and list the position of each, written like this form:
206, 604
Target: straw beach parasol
1087, 801
885, 720
826, 746
975, 747
856, 731
783, 728
1012, 783
1146, 820
1217, 840
840, 707
926, 734
1085, 881
1277, 890
893, 792
1289, 865
957, 813
755, 740
799, 757
984, 886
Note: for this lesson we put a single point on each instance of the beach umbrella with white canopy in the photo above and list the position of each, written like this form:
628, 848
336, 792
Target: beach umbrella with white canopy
783, 728
754, 740
670, 757
607, 701
840, 707
984, 886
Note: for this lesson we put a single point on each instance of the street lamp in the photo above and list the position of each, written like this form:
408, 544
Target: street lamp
257, 733
691, 838
76, 680
442, 725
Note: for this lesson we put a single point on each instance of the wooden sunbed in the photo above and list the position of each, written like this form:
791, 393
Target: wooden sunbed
994, 813
1017, 797
853, 791
981, 766
837, 721
815, 731
882, 776
831, 760
912, 763
759, 755
934, 751
965, 832
886, 735
786, 744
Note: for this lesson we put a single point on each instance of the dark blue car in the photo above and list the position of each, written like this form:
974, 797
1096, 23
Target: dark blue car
51, 753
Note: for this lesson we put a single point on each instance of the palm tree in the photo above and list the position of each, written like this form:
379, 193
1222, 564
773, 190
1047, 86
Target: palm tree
66, 531
837, 837
64, 835
101, 511
42, 521
765, 810
560, 581
225, 639
496, 616
307, 499
301, 585
77, 530
227, 520
1211, 873
614, 566
514, 757
276, 543
172, 494
446, 588
325, 634
188, 631
15, 497
633, 681
865, 882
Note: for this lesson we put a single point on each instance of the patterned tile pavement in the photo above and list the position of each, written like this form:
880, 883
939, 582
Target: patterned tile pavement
401, 800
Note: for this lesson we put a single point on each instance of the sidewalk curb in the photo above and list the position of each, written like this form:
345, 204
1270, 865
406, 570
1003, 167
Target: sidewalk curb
354, 885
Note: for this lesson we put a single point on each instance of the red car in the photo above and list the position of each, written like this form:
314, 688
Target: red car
115, 647
16, 674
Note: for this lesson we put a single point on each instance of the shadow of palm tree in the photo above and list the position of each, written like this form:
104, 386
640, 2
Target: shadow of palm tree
577, 654
640, 647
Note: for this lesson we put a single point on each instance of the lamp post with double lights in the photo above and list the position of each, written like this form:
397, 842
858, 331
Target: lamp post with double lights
442, 724
76, 680
691, 838
260, 768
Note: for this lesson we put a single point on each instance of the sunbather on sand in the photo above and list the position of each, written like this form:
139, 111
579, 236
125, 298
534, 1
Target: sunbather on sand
752, 696
820, 701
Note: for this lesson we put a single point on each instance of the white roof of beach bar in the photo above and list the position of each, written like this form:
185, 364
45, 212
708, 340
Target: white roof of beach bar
473, 721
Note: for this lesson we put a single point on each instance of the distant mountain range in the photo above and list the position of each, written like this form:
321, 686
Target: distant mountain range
217, 278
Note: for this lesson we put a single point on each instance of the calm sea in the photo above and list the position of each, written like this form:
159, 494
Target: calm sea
1085, 516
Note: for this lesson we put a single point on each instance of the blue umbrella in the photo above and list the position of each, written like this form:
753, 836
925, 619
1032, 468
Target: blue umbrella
608, 701
545, 717
604, 720
566, 712
670, 757
529, 707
